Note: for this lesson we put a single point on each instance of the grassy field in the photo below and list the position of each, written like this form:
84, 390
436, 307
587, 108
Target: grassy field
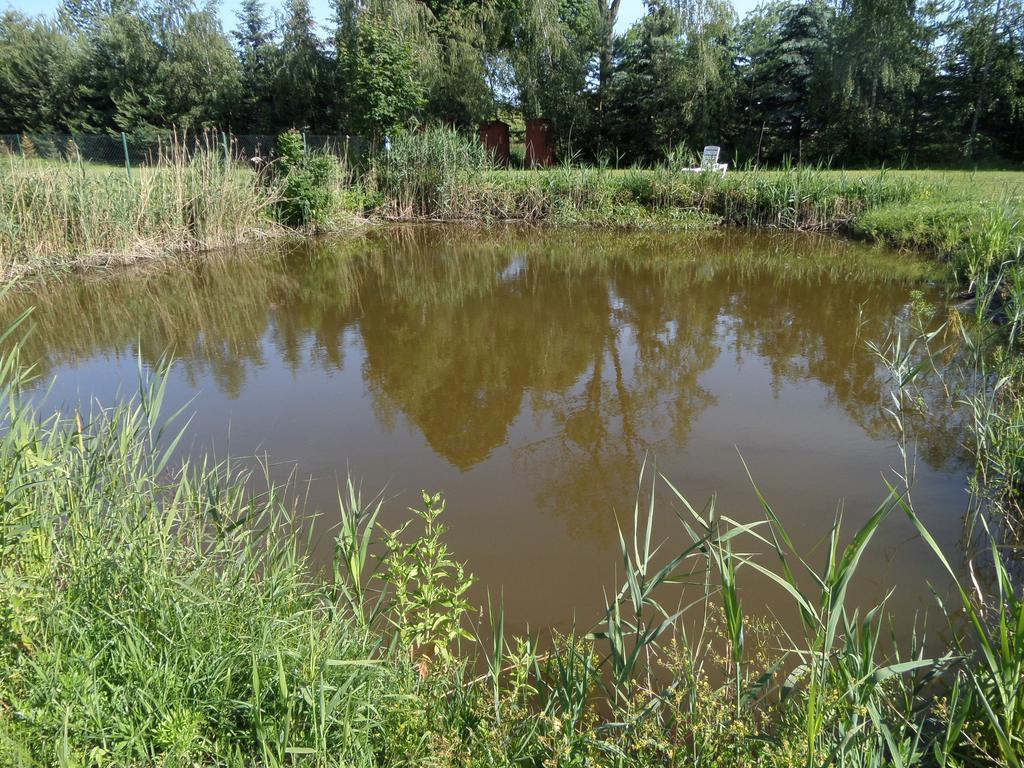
153, 614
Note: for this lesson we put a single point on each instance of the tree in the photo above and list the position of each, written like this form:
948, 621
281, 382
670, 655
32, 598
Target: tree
35, 63
673, 82
608, 14
87, 15
880, 61
786, 73
458, 73
849, 81
552, 44
254, 46
167, 65
708, 27
197, 74
301, 71
115, 79
984, 61
646, 95
384, 90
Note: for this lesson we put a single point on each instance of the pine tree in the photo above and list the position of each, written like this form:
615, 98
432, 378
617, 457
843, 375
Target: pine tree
785, 79
254, 46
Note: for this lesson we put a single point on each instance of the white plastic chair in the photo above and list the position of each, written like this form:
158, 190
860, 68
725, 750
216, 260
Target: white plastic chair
709, 162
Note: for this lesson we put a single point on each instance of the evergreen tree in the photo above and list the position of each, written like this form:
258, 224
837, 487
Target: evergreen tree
35, 65
254, 45
301, 71
646, 101
674, 81
115, 77
785, 76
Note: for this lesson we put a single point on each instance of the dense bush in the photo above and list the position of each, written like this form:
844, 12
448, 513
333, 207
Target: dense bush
303, 182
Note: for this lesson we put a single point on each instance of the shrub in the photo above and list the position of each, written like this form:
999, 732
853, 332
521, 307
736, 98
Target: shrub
303, 181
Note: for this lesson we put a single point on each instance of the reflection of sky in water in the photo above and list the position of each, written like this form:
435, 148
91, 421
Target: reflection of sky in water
530, 381
514, 270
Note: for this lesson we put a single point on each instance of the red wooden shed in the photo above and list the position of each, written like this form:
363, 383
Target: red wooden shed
540, 145
494, 137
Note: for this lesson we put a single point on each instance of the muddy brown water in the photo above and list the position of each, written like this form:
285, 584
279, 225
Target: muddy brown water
528, 375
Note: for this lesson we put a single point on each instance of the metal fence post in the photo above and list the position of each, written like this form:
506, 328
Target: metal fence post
304, 147
227, 154
127, 162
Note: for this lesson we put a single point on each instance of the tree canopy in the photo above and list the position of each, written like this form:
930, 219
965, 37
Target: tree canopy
842, 81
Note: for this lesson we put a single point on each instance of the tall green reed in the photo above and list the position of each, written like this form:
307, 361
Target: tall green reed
70, 212
425, 173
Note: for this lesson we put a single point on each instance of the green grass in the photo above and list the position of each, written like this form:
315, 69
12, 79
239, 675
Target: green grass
59, 215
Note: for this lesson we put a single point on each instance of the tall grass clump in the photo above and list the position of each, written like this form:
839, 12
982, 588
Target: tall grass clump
802, 197
429, 174
157, 615
55, 214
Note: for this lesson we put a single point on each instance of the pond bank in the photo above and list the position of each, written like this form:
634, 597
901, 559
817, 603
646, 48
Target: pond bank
58, 217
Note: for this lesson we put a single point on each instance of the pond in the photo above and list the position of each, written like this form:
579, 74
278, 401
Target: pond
529, 375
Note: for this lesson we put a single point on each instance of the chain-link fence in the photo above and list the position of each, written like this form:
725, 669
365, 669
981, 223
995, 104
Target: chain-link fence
128, 150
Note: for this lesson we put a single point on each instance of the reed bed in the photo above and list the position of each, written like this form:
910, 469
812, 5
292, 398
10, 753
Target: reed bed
67, 214
438, 175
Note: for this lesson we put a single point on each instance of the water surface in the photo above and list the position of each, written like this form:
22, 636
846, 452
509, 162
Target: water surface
529, 375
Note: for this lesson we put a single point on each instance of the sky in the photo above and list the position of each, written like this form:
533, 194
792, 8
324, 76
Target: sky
629, 10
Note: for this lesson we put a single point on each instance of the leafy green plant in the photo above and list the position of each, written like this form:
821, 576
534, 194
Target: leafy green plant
635, 619
986, 714
302, 179
384, 91
428, 603
353, 569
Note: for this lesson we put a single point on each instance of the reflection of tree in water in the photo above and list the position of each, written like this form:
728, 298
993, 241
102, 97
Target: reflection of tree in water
459, 371
592, 355
218, 318
815, 330
638, 393
604, 337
